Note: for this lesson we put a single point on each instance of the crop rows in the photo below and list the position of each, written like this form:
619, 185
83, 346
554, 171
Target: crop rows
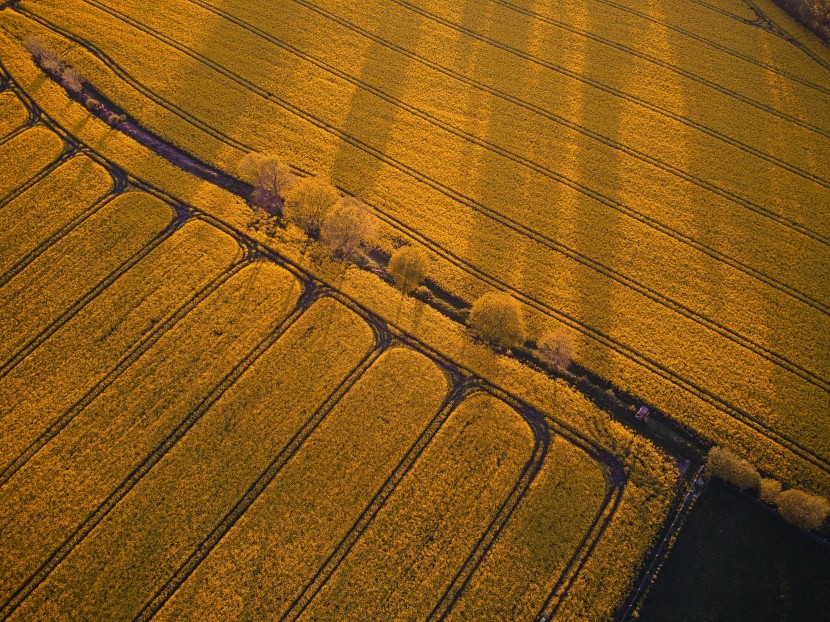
741, 411
146, 347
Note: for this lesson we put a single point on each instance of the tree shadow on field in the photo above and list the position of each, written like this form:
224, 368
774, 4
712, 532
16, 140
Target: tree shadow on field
201, 90
369, 118
487, 176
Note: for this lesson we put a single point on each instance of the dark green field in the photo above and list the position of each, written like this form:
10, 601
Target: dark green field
735, 562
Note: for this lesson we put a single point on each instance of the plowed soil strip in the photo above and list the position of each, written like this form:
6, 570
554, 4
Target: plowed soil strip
288, 533
56, 491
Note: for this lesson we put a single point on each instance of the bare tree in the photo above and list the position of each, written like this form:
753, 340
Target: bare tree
408, 266
308, 203
556, 349
44, 54
348, 226
497, 318
270, 177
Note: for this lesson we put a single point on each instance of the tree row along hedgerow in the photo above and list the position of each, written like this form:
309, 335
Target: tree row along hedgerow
592, 566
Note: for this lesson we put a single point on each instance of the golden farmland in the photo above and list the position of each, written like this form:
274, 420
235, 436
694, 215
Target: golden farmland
201, 422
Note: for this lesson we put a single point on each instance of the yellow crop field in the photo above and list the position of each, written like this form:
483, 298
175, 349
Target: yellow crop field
532, 553
13, 114
671, 214
50, 286
23, 155
316, 497
221, 456
420, 539
204, 415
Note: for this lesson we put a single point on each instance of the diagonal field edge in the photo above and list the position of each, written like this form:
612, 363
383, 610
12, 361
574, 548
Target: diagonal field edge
657, 297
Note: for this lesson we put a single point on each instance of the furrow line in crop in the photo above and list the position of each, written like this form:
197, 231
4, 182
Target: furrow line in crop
459, 391
133, 354
666, 65
655, 296
656, 368
209, 543
18, 267
551, 116
102, 285
575, 565
718, 46
69, 152
793, 168
306, 299
771, 26
137, 85
541, 444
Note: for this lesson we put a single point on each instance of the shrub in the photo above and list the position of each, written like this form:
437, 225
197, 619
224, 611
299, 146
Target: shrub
803, 509
270, 177
769, 489
727, 466
556, 349
348, 226
408, 267
71, 80
497, 318
308, 203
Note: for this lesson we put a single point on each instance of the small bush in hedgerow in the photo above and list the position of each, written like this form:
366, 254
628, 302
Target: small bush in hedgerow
729, 467
769, 489
803, 509
497, 318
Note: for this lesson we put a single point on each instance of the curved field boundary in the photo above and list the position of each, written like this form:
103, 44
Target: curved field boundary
103, 284
718, 46
460, 389
135, 352
603, 519
551, 116
116, 189
541, 443
665, 65
542, 170
32, 112
130, 481
463, 384
550, 243
644, 361
382, 342
69, 151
